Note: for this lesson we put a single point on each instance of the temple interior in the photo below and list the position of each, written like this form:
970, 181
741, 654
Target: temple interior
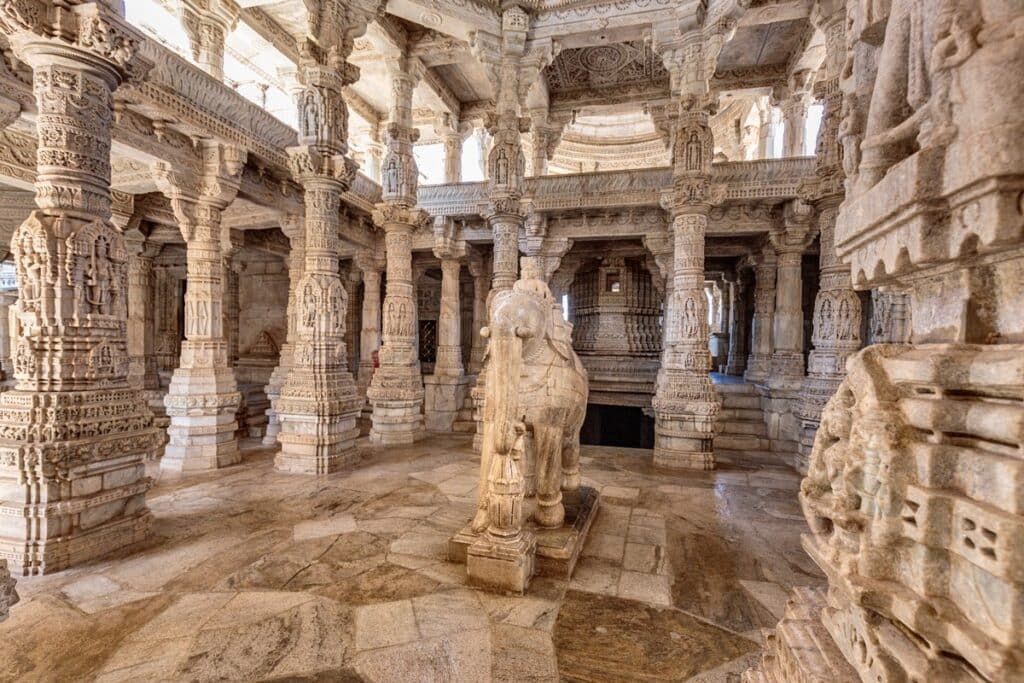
532, 340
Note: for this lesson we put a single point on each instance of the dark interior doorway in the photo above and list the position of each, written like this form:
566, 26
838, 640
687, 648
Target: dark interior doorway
623, 426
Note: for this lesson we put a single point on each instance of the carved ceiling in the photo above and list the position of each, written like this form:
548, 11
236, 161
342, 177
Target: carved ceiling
606, 66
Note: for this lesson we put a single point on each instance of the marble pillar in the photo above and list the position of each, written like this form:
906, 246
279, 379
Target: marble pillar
836, 336
396, 391
446, 388
203, 397
319, 402
760, 358
73, 431
207, 24
736, 362
232, 304
369, 337
452, 156
794, 115
786, 373
293, 226
478, 270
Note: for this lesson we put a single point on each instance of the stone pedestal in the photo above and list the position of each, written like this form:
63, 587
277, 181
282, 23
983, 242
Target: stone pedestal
445, 396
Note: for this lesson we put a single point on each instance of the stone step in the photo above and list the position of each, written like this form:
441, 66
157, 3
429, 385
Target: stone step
464, 426
742, 427
755, 415
741, 401
742, 442
738, 388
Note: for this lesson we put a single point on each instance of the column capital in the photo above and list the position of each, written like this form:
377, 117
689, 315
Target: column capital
314, 163
395, 217
46, 34
199, 198
448, 244
369, 261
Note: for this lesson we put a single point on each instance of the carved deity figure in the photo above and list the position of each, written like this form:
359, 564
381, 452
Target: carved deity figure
537, 388
98, 277
693, 152
310, 114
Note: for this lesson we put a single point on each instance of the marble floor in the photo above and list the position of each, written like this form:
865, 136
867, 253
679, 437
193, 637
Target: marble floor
258, 576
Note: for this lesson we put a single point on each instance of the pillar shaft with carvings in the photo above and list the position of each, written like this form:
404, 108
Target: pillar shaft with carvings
73, 430
446, 388
203, 397
794, 115
760, 358
737, 362
207, 24
686, 404
790, 242
294, 229
396, 391
319, 403
369, 338
477, 269
837, 311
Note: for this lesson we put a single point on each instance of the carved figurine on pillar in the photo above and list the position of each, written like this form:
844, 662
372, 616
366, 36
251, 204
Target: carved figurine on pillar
203, 398
73, 431
319, 404
396, 391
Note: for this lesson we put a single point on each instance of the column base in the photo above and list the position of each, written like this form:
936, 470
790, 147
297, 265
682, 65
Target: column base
503, 567
318, 413
444, 397
735, 366
202, 405
397, 422
686, 409
396, 395
90, 498
758, 368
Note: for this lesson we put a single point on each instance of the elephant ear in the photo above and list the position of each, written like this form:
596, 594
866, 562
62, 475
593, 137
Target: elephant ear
562, 348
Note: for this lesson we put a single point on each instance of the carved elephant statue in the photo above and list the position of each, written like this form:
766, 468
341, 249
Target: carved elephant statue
534, 381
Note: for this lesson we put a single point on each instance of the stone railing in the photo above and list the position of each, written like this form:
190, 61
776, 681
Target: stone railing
770, 179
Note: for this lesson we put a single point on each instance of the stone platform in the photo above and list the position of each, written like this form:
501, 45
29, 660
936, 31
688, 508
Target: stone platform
253, 574
559, 549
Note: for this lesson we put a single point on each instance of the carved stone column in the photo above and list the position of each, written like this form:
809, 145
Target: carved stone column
794, 115
203, 397
207, 24
73, 431
737, 362
786, 372
141, 358
446, 388
396, 391
294, 228
837, 312
319, 403
787, 365
477, 268
232, 304
760, 358
686, 404
452, 140
369, 337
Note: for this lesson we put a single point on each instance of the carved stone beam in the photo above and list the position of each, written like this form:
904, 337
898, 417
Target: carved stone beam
10, 110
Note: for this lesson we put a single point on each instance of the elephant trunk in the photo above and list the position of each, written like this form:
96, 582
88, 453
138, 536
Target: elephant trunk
501, 408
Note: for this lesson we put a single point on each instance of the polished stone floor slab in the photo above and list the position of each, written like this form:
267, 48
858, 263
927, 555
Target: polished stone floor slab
256, 575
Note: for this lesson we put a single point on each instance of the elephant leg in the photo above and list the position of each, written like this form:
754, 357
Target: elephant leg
571, 463
547, 444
